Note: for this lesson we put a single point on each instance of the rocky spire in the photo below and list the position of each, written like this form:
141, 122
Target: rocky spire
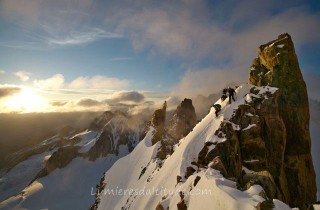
183, 120
158, 123
180, 125
277, 65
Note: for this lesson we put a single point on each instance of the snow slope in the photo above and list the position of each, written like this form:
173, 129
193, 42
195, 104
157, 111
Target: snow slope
138, 182
70, 187
21, 175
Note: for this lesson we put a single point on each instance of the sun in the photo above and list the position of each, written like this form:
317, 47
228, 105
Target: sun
26, 101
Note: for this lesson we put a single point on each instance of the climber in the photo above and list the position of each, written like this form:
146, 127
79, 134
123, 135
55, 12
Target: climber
231, 93
217, 107
224, 94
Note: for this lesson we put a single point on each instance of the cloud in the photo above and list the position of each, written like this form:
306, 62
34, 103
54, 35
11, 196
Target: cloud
206, 81
168, 33
58, 103
76, 38
98, 82
125, 96
88, 102
54, 24
205, 34
86, 87
7, 90
23, 75
2, 72
52, 83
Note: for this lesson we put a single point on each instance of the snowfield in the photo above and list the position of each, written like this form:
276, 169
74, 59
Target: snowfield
70, 187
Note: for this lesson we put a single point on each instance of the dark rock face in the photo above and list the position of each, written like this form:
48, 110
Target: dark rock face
180, 125
255, 139
99, 122
159, 207
277, 65
157, 122
99, 189
59, 159
102, 147
226, 156
115, 132
183, 120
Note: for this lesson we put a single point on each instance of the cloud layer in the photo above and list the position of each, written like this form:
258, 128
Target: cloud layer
57, 82
98, 82
76, 38
126, 101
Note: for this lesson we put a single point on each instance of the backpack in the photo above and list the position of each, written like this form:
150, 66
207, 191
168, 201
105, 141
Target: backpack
218, 106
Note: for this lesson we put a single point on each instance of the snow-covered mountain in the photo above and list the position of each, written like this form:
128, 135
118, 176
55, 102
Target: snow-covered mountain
255, 155
177, 182
61, 172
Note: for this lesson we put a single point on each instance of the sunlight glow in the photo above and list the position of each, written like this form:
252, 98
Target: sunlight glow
26, 101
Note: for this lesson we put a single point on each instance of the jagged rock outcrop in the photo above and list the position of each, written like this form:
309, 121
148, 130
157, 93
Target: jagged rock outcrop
255, 140
183, 121
262, 138
226, 156
277, 65
181, 124
157, 122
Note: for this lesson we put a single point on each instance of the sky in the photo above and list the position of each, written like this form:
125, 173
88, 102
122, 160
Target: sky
73, 55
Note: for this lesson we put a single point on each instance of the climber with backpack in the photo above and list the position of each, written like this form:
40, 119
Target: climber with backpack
224, 94
217, 107
231, 93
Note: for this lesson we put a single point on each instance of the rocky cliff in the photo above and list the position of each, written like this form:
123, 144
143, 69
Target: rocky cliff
277, 65
158, 123
183, 120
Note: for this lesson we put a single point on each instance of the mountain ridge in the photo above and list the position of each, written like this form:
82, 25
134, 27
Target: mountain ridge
249, 144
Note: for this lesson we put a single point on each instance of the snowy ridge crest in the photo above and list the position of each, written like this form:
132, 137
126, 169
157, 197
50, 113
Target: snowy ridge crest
185, 179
